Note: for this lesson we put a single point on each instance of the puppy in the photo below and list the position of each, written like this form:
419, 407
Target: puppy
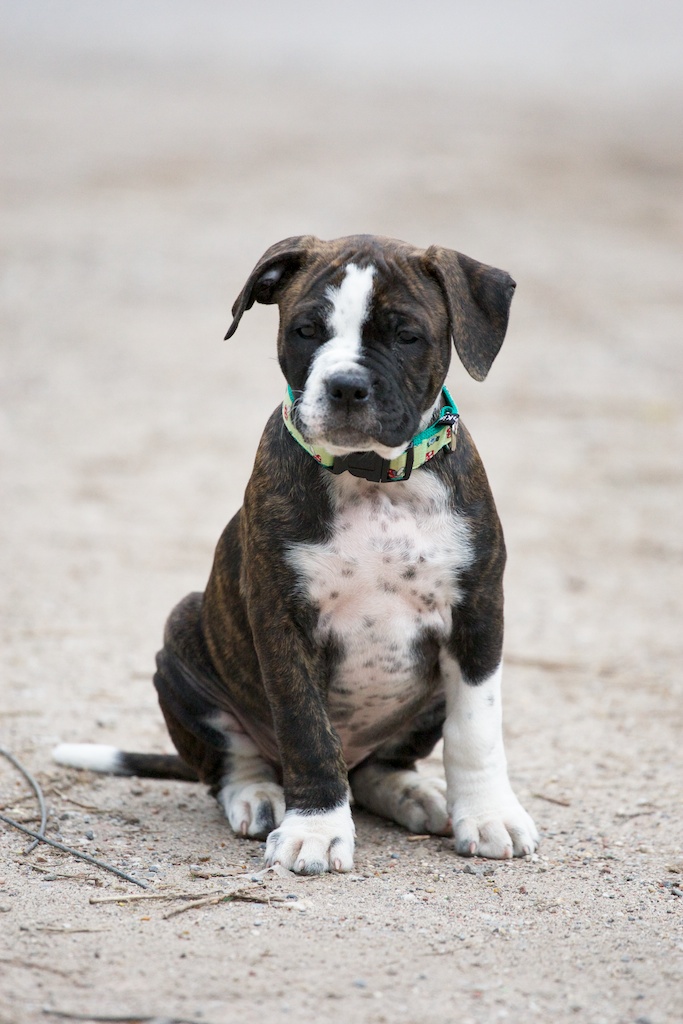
354, 612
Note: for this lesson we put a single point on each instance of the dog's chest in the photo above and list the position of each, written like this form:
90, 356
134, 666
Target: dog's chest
385, 581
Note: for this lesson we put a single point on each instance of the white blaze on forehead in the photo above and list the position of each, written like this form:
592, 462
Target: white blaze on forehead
350, 305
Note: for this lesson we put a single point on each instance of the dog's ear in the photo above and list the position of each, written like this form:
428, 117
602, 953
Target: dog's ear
271, 273
478, 300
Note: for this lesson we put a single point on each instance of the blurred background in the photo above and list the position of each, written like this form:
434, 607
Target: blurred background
152, 150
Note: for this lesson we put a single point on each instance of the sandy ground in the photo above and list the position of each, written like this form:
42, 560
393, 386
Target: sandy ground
137, 193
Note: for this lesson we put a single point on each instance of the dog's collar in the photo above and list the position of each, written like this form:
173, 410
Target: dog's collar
441, 433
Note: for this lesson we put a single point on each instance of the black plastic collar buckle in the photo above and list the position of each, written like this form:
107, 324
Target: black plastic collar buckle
371, 466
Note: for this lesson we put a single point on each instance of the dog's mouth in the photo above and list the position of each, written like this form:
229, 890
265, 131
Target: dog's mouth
343, 432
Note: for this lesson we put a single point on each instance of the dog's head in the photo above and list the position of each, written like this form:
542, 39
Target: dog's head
365, 332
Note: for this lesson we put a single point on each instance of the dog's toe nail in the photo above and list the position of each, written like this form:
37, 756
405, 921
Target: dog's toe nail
244, 828
472, 848
337, 865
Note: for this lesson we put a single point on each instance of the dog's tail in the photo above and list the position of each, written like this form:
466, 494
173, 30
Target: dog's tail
98, 757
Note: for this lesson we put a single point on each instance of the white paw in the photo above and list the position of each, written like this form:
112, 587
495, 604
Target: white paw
413, 800
421, 804
493, 825
254, 809
312, 843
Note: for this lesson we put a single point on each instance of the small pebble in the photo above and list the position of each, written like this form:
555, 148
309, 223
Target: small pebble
359, 983
90, 834
395, 856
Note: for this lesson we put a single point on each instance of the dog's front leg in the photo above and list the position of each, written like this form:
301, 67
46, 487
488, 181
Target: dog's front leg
487, 817
317, 832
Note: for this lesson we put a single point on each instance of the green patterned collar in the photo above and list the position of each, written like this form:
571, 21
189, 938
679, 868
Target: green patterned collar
371, 466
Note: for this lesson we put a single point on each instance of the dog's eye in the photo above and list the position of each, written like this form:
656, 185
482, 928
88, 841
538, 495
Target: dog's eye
407, 337
307, 331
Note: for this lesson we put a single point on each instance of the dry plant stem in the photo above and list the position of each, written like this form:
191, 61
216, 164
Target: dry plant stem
51, 871
130, 1019
241, 895
74, 853
155, 896
29, 965
208, 901
552, 799
39, 794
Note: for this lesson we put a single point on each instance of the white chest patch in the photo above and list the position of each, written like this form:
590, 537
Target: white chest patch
386, 579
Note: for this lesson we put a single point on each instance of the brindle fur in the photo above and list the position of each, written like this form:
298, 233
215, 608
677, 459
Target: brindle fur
246, 646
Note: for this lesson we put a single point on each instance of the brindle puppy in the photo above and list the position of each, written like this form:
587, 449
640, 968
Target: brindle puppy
354, 612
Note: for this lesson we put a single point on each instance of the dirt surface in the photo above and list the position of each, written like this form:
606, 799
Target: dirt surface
137, 194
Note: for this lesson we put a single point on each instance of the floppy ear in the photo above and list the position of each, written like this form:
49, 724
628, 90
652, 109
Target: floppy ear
269, 275
478, 300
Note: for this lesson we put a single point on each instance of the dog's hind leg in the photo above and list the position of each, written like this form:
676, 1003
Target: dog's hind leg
209, 737
248, 792
388, 783
223, 755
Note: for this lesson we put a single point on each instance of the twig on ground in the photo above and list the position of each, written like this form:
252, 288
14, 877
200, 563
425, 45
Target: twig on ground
67, 931
129, 1019
418, 839
239, 895
55, 874
129, 819
51, 875
39, 794
72, 800
626, 816
74, 853
208, 901
545, 664
553, 799
153, 896
235, 872
31, 966
278, 871
16, 801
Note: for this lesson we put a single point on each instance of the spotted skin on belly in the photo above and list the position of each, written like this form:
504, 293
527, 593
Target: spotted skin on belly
384, 585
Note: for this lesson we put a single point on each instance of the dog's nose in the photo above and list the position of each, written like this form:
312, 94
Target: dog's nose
349, 389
